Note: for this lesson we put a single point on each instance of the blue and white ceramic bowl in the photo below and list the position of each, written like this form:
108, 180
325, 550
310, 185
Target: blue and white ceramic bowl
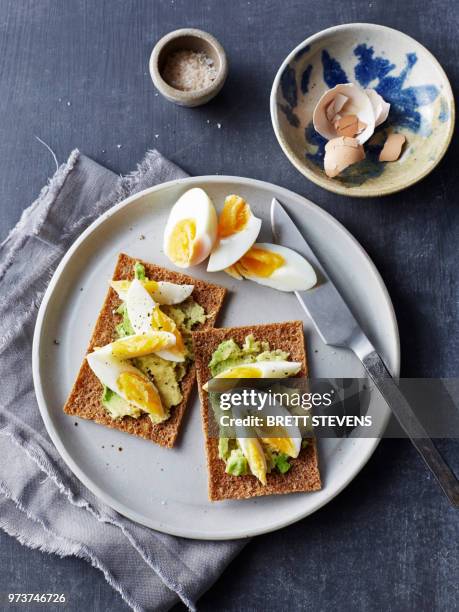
400, 69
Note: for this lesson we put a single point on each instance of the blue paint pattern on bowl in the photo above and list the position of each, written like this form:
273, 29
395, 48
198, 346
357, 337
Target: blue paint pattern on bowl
333, 73
443, 115
288, 86
305, 79
301, 52
404, 101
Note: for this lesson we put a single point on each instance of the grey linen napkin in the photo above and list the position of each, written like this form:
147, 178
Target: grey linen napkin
41, 503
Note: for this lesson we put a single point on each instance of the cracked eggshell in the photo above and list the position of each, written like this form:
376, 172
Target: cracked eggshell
358, 103
380, 106
392, 148
340, 153
335, 106
349, 125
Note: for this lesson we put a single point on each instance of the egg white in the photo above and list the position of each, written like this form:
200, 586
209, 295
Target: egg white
296, 274
165, 293
194, 204
228, 250
171, 293
140, 307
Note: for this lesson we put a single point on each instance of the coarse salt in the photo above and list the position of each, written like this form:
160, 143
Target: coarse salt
189, 70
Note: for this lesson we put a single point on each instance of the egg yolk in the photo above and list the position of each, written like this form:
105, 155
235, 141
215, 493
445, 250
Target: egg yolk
122, 286
234, 216
141, 392
256, 459
138, 346
241, 372
281, 445
260, 262
161, 322
181, 241
234, 272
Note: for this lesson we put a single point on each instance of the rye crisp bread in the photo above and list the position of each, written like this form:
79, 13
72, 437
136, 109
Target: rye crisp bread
85, 397
304, 474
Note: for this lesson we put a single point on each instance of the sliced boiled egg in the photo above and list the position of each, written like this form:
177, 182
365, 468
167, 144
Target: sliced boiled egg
290, 445
140, 345
161, 321
191, 229
146, 316
260, 369
238, 229
161, 291
283, 437
253, 452
275, 266
127, 381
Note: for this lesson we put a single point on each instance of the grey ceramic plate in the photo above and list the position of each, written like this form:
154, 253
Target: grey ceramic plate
167, 489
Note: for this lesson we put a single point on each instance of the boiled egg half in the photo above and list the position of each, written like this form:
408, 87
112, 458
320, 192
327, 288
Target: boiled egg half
274, 266
191, 229
238, 229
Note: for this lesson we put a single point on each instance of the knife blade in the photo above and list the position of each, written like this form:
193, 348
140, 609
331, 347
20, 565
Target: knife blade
327, 310
338, 327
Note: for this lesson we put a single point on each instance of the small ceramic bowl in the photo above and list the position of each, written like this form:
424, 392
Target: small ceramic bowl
400, 69
192, 40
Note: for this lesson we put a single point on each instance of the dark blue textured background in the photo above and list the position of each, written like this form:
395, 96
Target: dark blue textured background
75, 73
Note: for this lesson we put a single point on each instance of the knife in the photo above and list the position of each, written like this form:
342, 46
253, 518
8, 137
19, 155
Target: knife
338, 327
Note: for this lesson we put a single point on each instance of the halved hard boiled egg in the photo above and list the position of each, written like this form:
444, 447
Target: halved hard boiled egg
127, 381
162, 292
275, 266
260, 369
191, 229
238, 229
146, 316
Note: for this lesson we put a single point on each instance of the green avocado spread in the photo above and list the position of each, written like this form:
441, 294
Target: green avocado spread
166, 375
229, 354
